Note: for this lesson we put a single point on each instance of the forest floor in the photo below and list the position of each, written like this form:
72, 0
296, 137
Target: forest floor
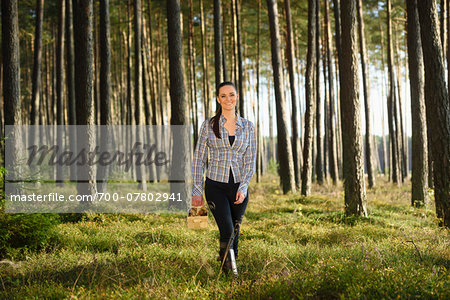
290, 247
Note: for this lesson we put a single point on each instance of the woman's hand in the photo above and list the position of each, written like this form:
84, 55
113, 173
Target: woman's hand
197, 201
239, 198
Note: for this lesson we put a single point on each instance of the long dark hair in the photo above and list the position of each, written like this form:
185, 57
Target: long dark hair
215, 120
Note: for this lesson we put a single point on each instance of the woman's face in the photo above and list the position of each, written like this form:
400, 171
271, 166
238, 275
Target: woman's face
227, 98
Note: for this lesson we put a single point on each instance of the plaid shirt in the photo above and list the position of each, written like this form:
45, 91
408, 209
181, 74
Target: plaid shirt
241, 157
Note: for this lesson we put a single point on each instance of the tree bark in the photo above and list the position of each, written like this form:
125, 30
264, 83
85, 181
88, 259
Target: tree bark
319, 155
310, 101
105, 91
179, 105
331, 109
437, 107
60, 86
11, 87
355, 195
391, 102
419, 192
286, 169
70, 79
83, 85
366, 89
218, 43
291, 68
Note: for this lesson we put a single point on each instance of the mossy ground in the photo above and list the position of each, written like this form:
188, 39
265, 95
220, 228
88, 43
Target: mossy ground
290, 247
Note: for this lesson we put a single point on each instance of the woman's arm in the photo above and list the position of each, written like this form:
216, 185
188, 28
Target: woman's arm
249, 161
199, 162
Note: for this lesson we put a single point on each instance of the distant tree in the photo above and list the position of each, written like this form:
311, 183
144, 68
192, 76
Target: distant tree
355, 195
105, 90
138, 91
286, 168
392, 117
319, 144
291, 67
310, 101
36, 81
437, 107
218, 41
60, 85
366, 89
331, 109
70, 83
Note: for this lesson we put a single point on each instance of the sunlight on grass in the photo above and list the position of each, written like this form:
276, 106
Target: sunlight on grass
290, 247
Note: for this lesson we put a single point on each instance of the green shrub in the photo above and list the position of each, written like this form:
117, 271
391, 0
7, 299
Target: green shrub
28, 231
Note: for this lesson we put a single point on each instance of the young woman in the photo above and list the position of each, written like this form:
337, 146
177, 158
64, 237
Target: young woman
230, 141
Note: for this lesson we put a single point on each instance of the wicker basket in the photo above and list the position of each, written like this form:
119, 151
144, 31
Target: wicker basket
197, 218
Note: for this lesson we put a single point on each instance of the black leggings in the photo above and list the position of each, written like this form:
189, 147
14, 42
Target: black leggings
221, 197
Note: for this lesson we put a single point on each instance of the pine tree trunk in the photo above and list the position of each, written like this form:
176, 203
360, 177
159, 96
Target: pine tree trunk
218, 43
437, 107
60, 86
36, 81
84, 88
178, 102
70, 86
331, 109
11, 88
319, 165
291, 68
419, 193
207, 99
240, 78
355, 195
366, 89
310, 101
286, 169
105, 91
391, 102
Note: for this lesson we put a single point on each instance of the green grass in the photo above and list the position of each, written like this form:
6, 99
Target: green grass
290, 247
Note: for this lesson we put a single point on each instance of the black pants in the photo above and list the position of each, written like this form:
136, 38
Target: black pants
221, 197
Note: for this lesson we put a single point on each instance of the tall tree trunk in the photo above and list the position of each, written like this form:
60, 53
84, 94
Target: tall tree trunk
105, 90
60, 86
319, 156
271, 137
337, 27
11, 87
286, 169
331, 110
437, 107
83, 85
402, 144
138, 92
310, 101
291, 68
355, 195
259, 157
70, 79
36, 81
240, 78
218, 43
385, 147
207, 98
418, 115
391, 101
364, 61
179, 116
192, 62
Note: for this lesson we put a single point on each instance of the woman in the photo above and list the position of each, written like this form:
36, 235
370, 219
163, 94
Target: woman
230, 140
